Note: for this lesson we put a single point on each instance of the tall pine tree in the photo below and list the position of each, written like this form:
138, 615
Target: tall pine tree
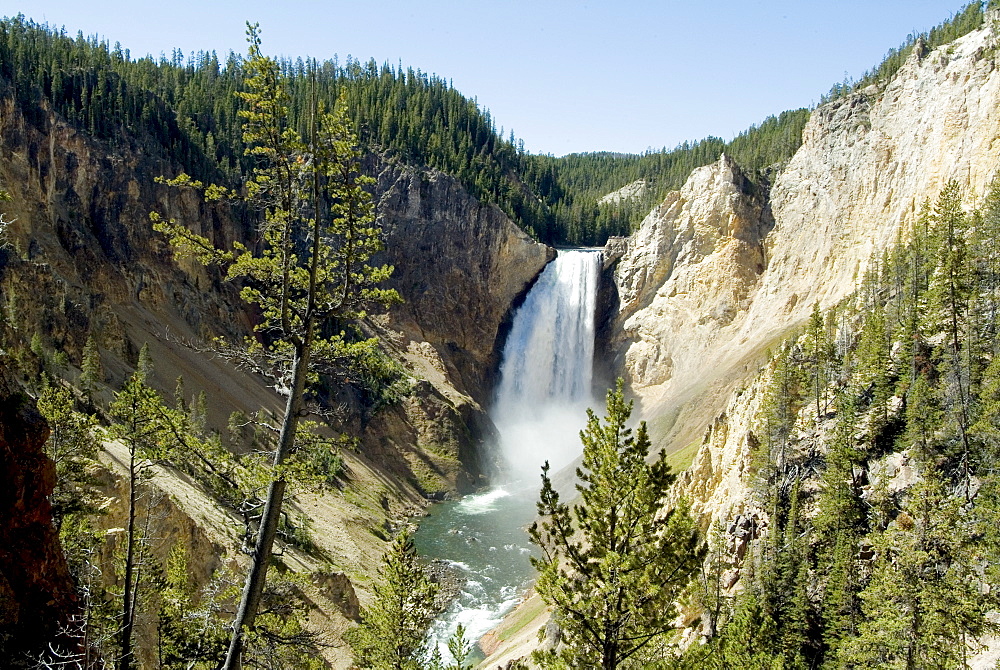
317, 237
393, 630
613, 565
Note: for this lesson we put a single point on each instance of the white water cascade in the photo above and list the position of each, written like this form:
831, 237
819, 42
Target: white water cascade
539, 409
547, 367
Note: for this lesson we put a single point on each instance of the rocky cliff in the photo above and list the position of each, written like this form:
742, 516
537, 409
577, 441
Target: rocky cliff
718, 272
687, 272
80, 260
37, 598
460, 266
722, 271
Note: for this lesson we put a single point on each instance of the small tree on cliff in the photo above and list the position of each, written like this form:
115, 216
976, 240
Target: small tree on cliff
309, 277
91, 370
393, 631
138, 412
613, 565
72, 447
4, 197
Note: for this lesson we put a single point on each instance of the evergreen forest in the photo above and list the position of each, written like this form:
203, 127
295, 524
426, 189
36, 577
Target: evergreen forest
874, 460
184, 107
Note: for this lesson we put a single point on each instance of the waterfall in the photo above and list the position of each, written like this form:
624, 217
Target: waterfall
539, 408
547, 367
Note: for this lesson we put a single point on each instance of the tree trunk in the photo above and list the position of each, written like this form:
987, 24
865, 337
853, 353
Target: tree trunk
128, 598
610, 659
254, 587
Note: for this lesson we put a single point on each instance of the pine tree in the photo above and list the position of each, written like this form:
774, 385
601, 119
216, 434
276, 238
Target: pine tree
138, 412
793, 610
913, 311
923, 416
986, 253
317, 237
818, 354
393, 631
91, 370
193, 633
613, 565
985, 432
198, 414
839, 524
874, 374
925, 603
190, 635
841, 606
950, 291
779, 411
180, 396
748, 640
708, 594
72, 446
460, 649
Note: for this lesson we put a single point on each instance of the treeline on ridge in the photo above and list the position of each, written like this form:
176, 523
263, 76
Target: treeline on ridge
187, 107
970, 17
581, 180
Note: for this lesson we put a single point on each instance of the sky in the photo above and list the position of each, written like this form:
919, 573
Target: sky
567, 77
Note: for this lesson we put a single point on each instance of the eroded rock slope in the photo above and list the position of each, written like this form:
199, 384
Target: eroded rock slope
718, 273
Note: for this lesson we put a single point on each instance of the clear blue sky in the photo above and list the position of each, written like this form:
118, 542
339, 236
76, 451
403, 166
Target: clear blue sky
566, 76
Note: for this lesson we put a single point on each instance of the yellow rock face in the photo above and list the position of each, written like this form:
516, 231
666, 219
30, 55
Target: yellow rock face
718, 272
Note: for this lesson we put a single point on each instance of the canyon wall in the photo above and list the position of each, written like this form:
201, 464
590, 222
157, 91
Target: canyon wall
81, 259
37, 598
721, 271
459, 264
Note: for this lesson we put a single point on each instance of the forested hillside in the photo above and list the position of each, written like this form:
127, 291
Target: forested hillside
185, 106
874, 462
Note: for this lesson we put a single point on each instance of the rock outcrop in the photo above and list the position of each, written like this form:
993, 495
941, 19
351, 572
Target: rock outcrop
867, 164
37, 596
717, 274
626, 193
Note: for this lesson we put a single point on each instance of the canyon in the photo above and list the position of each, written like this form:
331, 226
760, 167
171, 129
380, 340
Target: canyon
690, 304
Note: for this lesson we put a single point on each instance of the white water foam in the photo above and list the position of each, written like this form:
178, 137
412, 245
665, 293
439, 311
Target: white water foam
483, 502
